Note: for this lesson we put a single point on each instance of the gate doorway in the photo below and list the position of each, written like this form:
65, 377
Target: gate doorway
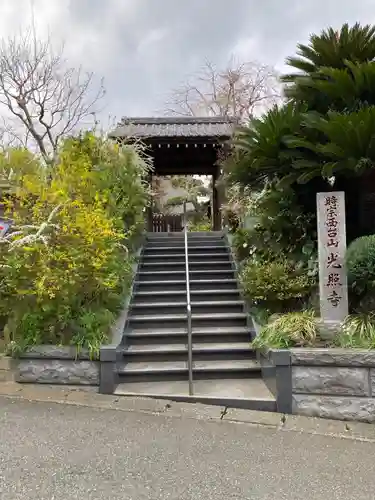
166, 223
182, 146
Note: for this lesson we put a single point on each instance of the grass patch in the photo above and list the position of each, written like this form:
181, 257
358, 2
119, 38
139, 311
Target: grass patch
294, 329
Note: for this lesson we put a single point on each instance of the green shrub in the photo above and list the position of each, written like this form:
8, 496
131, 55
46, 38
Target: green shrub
202, 225
67, 266
360, 259
295, 329
301, 329
282, 227
53, 285
357, 331
242, 244
277, 284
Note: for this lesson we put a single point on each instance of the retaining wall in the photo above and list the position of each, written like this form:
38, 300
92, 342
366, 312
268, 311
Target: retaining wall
56, 365
334, 383
328, 383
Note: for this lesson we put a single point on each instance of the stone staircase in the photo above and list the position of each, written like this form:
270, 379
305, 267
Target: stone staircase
154, 350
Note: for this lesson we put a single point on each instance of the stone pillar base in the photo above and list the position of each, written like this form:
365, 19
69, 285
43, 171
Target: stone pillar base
328, 329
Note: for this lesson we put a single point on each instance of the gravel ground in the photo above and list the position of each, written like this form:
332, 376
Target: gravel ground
56, 452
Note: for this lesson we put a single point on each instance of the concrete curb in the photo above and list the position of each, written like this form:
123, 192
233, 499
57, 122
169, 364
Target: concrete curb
6, 369
89, 397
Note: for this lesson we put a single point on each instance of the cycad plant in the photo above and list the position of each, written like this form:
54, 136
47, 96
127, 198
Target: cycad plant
333, 48
262, 153
330, 49
347, 144
328, 126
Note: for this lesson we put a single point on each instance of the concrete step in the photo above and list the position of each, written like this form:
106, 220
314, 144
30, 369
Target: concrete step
171, 285
203, 335
156, 321
202, 353
217, 306
219, 319
180, 234
206, 331
206, 265
181, 243
193, 249
198, 348
181, 275
199, 356
206, 241
180, 320
247, 393
199, 257
170, 368
168, 296
180, 285
158, 308
180, 307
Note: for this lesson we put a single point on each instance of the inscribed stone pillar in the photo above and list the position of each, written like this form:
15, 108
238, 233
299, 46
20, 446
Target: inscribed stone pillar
331, 252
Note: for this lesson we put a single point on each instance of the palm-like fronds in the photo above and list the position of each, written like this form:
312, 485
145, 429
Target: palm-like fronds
348, 142
313, 145
331, 49
328, 126
260, 153
345, 89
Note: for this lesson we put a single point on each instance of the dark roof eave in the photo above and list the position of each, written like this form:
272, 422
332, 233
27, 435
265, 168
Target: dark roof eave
163, 129
166, 139
177, 120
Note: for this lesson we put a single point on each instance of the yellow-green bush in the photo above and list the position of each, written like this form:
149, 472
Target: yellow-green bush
275, 284
67, 266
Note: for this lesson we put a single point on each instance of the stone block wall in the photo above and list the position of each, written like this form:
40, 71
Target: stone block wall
56, 365
333, 383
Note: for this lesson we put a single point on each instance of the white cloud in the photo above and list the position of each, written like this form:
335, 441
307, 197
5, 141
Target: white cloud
246, 49
144, 48
149, 43
48, 14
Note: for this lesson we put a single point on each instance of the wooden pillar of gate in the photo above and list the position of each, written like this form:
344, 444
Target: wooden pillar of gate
216, 215
149, 219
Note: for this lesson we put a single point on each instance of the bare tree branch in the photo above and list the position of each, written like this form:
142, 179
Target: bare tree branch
42, 94
241, 90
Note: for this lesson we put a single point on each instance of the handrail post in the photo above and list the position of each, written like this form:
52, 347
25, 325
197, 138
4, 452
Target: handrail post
188, 307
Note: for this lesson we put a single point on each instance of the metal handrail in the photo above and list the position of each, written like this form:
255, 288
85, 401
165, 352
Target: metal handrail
188, 308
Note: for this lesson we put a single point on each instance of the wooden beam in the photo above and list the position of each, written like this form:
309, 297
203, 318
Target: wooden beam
183, 171
216, 215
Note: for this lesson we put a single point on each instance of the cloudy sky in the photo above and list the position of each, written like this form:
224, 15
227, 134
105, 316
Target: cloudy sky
145, 48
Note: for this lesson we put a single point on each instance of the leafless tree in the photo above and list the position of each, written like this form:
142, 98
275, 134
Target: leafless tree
43, 98
240, 90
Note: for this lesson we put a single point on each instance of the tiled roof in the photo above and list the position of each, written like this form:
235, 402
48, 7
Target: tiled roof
175, 127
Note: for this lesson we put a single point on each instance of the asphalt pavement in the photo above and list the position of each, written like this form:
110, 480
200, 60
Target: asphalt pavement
52, 451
